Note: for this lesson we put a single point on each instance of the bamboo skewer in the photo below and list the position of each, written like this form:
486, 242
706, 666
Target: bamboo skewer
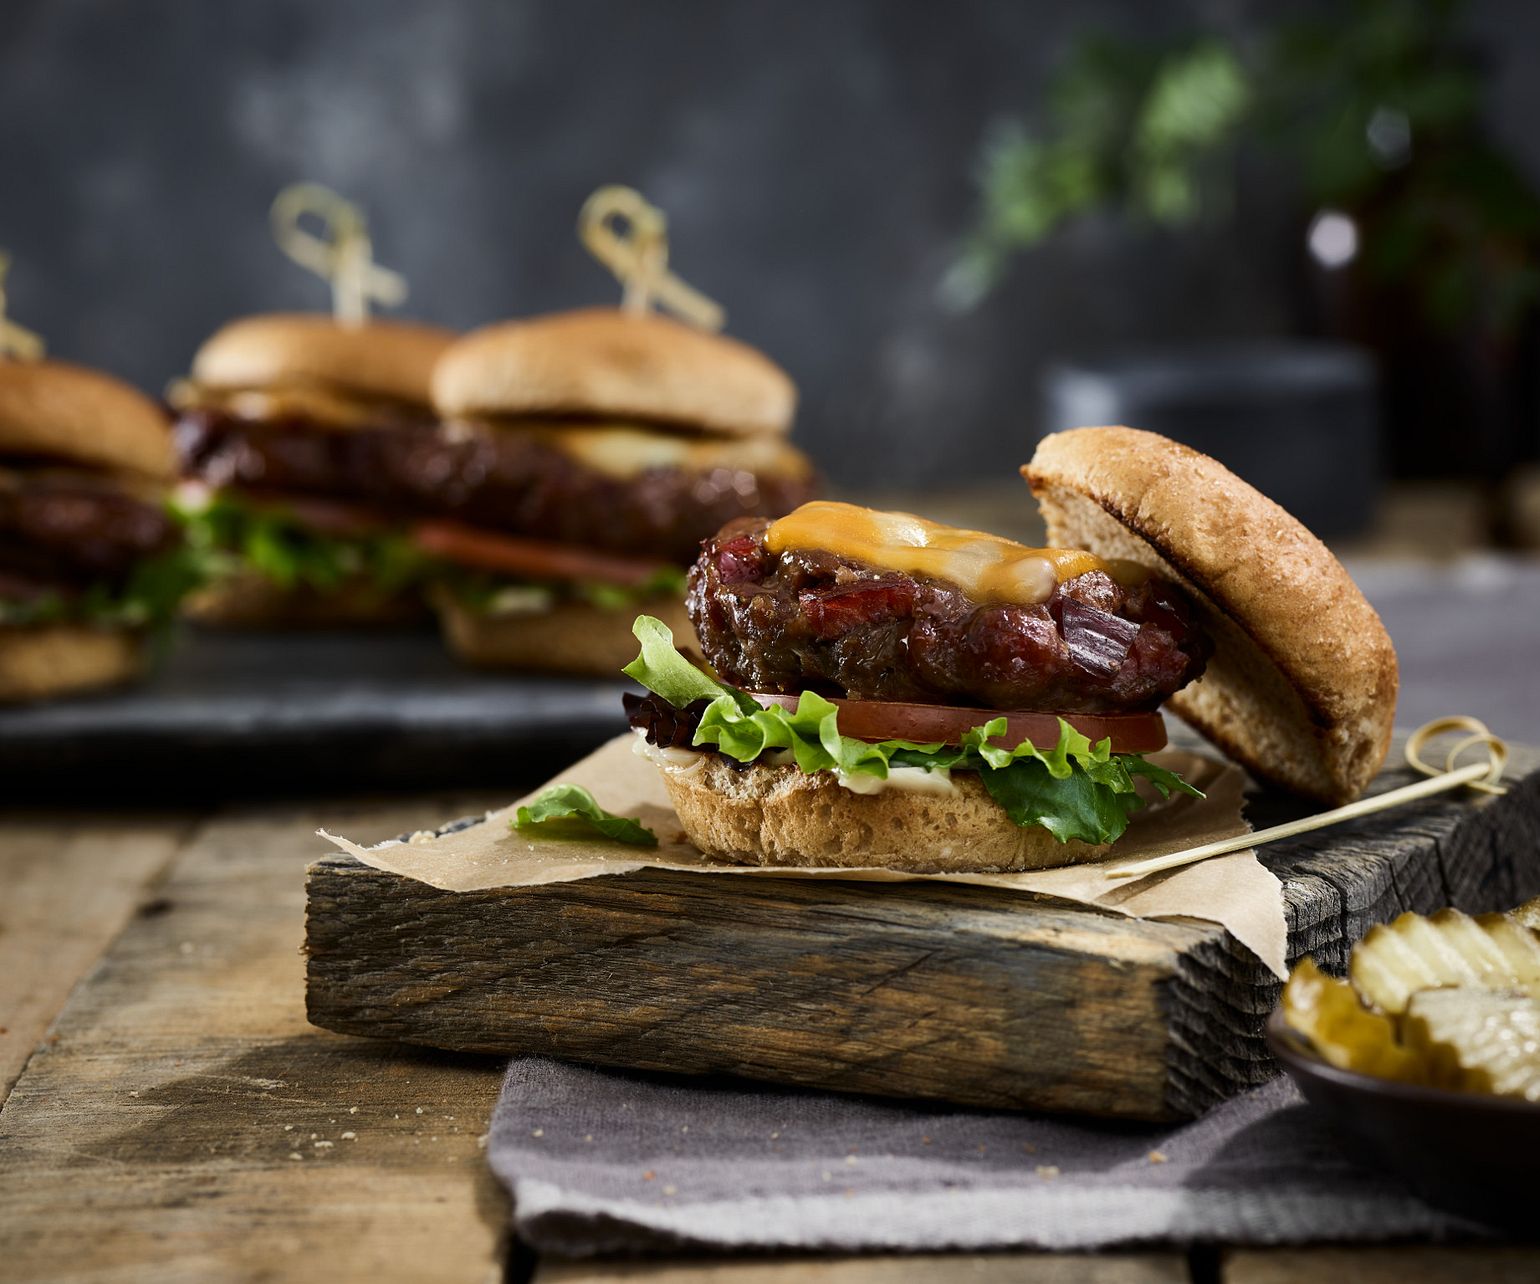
1477, 775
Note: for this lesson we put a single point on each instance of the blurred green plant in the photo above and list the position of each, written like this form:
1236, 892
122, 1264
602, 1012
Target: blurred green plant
1376, 110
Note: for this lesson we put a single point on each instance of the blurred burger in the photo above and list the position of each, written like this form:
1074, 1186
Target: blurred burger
91, 562
582, 459
289, 429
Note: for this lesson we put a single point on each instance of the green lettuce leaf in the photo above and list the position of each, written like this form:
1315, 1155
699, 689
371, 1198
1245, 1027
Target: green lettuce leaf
1074, 789
147, 599
564, 806
229, 535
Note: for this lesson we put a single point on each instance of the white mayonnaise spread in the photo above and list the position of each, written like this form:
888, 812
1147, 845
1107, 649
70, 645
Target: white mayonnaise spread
916, 780
682, 762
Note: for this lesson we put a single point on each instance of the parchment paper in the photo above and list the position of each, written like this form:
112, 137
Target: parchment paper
1234, 891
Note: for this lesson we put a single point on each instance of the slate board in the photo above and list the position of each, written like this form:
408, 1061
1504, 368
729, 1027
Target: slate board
966, 994
243, 714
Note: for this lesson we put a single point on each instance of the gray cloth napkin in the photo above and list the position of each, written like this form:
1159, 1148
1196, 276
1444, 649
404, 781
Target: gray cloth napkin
605, 1162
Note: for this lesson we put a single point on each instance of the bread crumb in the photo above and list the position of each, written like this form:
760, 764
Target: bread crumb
352, 1110
775, 1136
850, 1161
294, 1154
419, 1110
537, 1132
481, 1141
588, 1136
324, 1145
1156, 1157
1047, 1171
671, 1190
350, 1136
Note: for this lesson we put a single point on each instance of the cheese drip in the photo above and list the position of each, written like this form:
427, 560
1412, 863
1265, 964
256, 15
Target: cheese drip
986, 567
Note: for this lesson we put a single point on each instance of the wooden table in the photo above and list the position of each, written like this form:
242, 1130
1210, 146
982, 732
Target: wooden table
170, 1115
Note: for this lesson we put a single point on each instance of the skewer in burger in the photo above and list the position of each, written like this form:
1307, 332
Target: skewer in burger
92, 564
886, 691
584, 457
292, 429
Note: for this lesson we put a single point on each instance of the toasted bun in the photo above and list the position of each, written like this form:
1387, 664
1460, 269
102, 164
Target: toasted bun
760, 815
1302, 686
59, 659
387, 359
608, 363
55, 410
252, 601
572, 637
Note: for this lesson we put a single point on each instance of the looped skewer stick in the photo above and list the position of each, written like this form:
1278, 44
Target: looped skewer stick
1483, 776
629, 235
15, 340
343, 257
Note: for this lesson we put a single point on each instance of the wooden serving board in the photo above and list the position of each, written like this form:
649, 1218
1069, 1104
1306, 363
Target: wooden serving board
963, 994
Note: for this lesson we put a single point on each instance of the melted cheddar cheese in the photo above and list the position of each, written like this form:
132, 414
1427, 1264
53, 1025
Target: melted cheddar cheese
986, 567
624, 450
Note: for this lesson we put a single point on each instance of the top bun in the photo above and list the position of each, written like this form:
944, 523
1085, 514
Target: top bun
54, 410
387, 359
1302, 686
609, 363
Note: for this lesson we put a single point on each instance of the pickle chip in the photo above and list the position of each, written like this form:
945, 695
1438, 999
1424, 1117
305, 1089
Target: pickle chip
1478, 1040
1327, 1012
1396, 960
1528, 914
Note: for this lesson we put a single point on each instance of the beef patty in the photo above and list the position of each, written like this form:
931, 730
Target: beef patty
501, 480
812, 620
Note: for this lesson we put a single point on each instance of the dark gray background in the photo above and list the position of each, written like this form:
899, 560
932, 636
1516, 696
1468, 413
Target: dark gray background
815, 160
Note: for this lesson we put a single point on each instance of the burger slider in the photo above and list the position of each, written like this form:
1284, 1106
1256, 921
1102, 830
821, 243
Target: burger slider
91, 562
891, 692
582, 460
290, 429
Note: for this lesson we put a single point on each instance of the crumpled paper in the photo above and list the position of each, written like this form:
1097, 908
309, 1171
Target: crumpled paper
1234, 891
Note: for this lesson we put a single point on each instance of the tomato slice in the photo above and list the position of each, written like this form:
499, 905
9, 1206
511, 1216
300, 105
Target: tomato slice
531, 558
929, 723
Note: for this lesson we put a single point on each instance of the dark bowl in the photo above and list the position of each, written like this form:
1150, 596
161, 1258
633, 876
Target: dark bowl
1474, 1155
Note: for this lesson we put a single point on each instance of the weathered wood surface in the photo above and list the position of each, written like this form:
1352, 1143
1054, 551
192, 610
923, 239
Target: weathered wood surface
62, 904
1379, 1264
966, 994
190, 1179
182, 1121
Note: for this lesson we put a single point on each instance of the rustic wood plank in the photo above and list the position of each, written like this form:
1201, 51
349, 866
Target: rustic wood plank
979, 1268
962, 993
1401, 1264
185, 1123
71, 882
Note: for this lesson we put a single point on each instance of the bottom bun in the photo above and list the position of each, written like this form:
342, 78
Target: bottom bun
759, 815
570, 637
38, 663
252, 601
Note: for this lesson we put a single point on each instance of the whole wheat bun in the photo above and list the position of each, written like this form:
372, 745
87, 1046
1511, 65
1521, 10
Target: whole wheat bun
55, 410
612, 364
249, 600
759, 815
1302, 686
386, 359
571, 637
45, 661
